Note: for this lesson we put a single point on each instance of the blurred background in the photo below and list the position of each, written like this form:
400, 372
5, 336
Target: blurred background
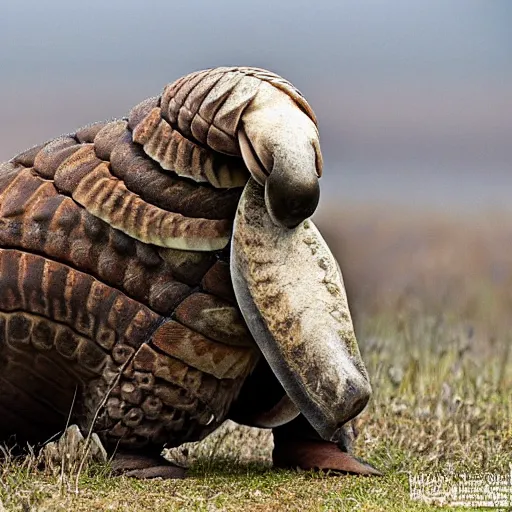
414, 101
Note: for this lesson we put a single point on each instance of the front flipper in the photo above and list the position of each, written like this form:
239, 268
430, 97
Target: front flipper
145, 466
291, 294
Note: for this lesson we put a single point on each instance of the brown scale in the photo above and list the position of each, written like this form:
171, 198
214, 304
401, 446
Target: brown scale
217, 281
88, 133
215, 318
47, 161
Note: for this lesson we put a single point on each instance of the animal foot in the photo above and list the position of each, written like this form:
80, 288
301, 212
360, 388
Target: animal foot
319, 455
72, 451
136, 465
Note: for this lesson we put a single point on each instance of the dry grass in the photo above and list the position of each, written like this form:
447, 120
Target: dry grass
431, 299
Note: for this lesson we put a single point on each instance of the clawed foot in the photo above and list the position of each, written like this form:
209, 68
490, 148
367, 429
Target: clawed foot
141, 466
319, 455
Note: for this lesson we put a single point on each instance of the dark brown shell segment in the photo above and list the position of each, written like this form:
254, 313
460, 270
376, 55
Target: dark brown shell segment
132, 194
23, 331
174, 152
188, 266
88, 133
217, 281
146, 178
34, 217
50, 290
27, 158
51, 155
107, 138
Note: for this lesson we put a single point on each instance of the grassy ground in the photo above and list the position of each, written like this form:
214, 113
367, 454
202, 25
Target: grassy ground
431, 300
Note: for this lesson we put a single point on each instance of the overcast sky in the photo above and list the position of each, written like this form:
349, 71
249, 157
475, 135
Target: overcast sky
414, 97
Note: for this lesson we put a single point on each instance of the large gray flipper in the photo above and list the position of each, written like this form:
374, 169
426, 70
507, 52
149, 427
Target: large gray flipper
291, 293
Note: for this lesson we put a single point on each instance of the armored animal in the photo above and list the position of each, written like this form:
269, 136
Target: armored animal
159, 274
